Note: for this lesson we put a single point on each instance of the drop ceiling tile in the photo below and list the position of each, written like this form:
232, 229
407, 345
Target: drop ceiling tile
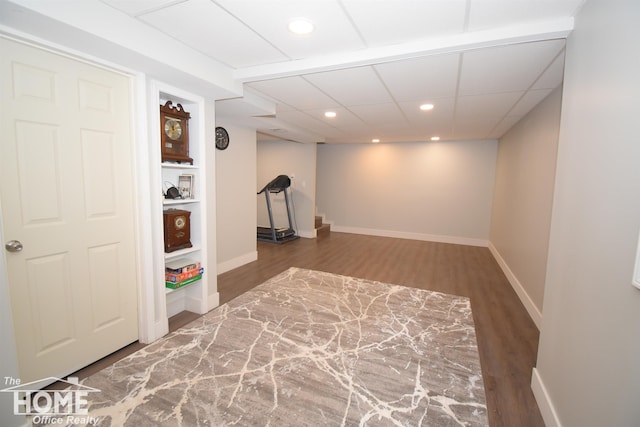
353, 138
211, 30
478, 115
552, 77
282, 107
485, 14
345, 120
446, 135
439, 117
333, 30
421, 79
352, 86
503, 127
138, 7
333, 133
388, 22
307, 121
529, 101
290, 130
393, 136
506, 68
380, 115
488, 106
294, 91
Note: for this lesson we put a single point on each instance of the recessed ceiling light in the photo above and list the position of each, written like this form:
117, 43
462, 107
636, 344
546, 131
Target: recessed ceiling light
330, 114
435, 138
426, 107
300, 26
375, 141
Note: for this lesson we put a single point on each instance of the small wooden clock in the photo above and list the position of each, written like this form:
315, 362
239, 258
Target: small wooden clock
177, 229
174, 131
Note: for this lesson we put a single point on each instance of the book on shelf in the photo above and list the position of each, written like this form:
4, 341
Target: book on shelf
175, 278
177, 285
181, 265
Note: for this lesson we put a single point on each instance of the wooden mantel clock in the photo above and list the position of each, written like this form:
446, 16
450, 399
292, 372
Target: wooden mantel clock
177, 229
174, 131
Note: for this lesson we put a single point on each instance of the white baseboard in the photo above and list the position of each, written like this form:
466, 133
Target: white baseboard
213, 301
526, 300
412, 236
307, 234
549, 414
236, 262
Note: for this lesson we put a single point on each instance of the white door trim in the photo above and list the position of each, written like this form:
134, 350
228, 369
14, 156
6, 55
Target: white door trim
147, 311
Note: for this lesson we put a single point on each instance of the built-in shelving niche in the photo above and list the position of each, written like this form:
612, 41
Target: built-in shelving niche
193, 297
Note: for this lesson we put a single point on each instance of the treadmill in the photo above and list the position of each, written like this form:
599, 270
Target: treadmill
272, 234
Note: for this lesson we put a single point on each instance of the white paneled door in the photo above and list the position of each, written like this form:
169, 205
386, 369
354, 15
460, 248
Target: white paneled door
67, 201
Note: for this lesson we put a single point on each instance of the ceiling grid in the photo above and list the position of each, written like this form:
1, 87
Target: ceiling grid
483, 64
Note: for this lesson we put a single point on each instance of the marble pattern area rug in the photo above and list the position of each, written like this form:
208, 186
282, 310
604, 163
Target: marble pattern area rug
306, 348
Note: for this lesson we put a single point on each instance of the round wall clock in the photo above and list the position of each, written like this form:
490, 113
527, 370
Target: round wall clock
222, 138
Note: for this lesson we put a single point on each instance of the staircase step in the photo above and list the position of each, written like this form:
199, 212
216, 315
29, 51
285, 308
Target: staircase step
318, 221
324, 230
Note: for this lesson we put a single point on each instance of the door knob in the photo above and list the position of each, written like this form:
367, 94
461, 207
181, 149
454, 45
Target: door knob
13, 246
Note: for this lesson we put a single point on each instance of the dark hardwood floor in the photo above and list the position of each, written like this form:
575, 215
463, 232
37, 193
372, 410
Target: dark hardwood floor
507, 337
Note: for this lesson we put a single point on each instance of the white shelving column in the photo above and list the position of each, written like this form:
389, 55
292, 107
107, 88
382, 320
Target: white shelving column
193, 297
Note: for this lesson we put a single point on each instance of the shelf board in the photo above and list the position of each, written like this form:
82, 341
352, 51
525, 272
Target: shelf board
169, 290
179, 201
181, 252
178, 166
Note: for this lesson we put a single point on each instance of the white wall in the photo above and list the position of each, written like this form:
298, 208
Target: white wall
292, 159
235, 198
588, 368
439, 191
523, 195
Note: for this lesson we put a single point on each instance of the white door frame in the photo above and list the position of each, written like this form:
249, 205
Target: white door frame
148, 303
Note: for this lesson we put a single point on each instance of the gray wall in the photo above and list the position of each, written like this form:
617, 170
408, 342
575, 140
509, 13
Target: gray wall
588, 368
523, 196
291, 159
235, 199
438, 191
